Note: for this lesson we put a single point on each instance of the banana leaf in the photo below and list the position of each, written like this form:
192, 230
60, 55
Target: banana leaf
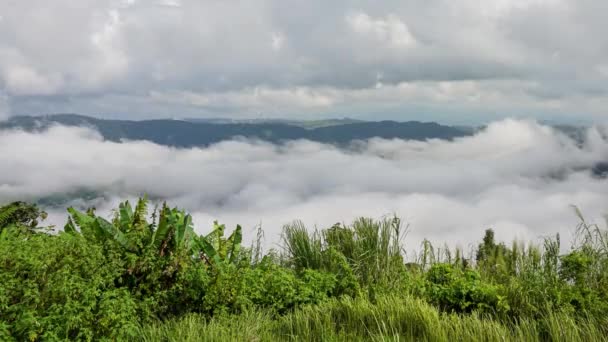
109, 230
125, 216
209, 251
234, 243
83, 221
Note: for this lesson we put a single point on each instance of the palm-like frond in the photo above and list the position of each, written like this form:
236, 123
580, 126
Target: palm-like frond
234, 244
82, 221
108, 229
98, 227
162, 232
7, 213
209, 251
125, 216
20, 213
140, 214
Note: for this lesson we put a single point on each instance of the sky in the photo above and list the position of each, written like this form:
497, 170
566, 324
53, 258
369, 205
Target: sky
452, 61
518, 177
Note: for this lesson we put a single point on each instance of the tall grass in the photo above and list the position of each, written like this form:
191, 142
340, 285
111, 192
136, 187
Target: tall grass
303, 248
372, 248
391, 318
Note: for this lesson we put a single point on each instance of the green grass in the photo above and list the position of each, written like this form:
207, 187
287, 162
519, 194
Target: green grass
391, 318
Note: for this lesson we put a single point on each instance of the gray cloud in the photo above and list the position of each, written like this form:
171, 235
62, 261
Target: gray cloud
141, 58
518, 177
4, 107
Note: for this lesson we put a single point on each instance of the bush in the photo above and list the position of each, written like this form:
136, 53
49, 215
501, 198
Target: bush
270, 286
61, 287
460, 291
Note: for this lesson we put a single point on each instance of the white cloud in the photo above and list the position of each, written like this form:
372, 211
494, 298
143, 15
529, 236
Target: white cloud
457, 99
110, 59
496, 8
253, 100
170, 3
515, 176
389, 29
278, 40
24, 80
69, 56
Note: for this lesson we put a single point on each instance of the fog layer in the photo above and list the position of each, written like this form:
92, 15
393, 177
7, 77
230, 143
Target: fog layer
517, 177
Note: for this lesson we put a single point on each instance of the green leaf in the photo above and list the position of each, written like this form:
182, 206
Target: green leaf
180, 230
216, 236
6, 214
234, 242
69, 227
209, 251
109, 230
139, 216
125, 217
164, 227
188, 234
83, 221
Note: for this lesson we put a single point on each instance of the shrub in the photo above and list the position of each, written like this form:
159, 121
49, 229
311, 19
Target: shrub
455, 290
61, 287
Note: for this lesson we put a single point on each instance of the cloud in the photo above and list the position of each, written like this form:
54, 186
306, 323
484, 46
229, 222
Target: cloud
106, 51
260, 98
4, 107
389, 29
170, 3
518, 177
61, 49
277, 41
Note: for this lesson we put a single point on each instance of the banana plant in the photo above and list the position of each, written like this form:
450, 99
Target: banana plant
98, 228
219, 250
174, 233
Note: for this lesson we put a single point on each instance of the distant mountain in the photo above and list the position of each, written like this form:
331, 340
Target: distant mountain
310, 124
189, 133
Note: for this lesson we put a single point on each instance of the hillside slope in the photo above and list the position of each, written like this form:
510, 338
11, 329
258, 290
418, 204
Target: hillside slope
188, 134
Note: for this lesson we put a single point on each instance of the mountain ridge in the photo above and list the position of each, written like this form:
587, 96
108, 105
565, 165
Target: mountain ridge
187, 133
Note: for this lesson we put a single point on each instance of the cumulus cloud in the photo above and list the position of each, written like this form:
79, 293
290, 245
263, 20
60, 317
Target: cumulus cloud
390, 29
517, 177
67, 56
61, 49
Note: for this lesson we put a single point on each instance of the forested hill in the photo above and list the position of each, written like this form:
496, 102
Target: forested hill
182, 133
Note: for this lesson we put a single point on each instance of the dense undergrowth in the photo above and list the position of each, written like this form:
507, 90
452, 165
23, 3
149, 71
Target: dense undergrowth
149, 276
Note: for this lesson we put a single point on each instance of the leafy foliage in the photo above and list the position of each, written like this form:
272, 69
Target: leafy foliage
104, 278
20, 216
61, 287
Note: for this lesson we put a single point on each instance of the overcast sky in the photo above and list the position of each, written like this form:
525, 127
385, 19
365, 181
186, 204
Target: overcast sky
455, 61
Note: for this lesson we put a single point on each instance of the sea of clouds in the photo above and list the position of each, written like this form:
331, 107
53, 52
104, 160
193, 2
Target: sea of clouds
515, 176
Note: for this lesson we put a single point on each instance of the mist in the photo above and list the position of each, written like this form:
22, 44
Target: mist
515, 176
4, 107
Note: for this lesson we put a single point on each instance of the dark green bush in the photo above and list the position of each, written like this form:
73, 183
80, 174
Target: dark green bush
271, 286
456, 290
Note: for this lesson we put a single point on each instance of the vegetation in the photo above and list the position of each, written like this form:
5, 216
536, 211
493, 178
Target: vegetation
147, 275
